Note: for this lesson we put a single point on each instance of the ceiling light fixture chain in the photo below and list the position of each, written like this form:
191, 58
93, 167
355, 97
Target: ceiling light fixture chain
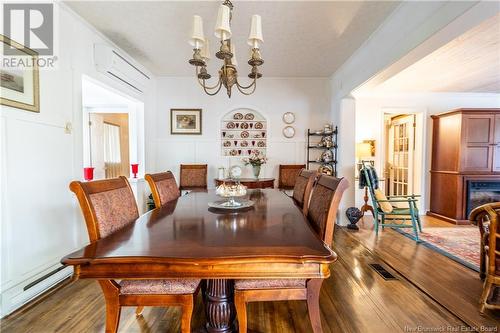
228, 73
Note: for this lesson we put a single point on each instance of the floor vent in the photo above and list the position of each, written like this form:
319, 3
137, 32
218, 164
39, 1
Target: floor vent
383, 272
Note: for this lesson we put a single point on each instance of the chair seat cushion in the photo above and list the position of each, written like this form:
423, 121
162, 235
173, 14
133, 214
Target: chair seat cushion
169, 286
269, 284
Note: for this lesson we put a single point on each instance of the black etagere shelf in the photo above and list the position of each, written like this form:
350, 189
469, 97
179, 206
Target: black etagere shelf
313, 145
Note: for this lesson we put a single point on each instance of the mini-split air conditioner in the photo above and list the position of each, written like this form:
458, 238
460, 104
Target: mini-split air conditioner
110, 62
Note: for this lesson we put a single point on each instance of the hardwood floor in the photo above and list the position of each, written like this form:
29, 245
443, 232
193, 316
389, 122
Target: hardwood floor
451, 284
354, 299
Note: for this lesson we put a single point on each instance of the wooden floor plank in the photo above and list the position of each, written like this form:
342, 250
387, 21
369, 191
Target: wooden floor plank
355, 299
452, 285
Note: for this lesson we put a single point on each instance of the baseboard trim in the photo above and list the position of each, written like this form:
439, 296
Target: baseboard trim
39, 298
448, 219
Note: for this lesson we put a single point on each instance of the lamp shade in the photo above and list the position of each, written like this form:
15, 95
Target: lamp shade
197, 36
222, 26
363, 150
233, 59
205, 50
255, 36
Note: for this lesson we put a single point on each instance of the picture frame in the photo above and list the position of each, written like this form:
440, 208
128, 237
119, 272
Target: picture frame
185, 121
19, 87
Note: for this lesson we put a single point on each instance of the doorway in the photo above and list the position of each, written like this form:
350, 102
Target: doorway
403, 157
112, 130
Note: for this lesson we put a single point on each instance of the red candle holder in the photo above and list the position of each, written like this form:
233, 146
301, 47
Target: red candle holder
135, 169
88, 173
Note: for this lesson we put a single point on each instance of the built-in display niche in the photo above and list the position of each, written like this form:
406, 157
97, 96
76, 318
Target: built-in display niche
243, 132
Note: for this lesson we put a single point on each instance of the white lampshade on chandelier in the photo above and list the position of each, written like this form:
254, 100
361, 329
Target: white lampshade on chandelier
228, 74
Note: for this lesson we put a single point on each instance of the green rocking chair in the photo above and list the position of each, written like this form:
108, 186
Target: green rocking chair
385, 214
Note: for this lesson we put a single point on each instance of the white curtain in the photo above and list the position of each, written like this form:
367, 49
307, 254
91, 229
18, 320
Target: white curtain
112, 152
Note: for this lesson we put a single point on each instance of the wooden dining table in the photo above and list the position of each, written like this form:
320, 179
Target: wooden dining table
187, 239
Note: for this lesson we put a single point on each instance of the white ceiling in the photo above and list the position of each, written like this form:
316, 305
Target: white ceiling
301, 38
469, 63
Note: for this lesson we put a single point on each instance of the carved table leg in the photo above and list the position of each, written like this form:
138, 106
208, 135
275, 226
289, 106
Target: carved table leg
219, 306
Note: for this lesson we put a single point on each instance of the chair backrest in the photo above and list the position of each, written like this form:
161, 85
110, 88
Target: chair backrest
303, 187
288, 174
487, 216
163, 187
107, 205
367, 172
325, 200
193, 176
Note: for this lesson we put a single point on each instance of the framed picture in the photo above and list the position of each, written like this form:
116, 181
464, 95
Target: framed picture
19, 86
185, 121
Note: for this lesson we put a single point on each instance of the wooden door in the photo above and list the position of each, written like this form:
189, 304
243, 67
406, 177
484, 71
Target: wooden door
496, 147
477, 142
401, 152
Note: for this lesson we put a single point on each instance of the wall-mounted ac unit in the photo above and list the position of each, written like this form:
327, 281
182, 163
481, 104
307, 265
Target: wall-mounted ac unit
110, 62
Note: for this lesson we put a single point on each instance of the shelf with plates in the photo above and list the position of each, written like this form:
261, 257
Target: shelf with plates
243, 132
324, 150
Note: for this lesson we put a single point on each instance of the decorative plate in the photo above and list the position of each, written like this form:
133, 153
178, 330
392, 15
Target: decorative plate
225, 204
244, 125
235, 171
244, 144
249, 116
233, 152
238, 116
259, 125
289, 118
244, 134
261, 144
230, 125
227, 143
288, 132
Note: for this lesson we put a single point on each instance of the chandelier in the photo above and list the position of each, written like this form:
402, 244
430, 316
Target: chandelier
228, 74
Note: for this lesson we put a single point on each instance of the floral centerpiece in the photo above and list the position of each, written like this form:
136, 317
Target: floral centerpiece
256, 159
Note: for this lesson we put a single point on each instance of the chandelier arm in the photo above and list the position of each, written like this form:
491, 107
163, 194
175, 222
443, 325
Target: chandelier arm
203, 84
242, 89
254, 82
214, 93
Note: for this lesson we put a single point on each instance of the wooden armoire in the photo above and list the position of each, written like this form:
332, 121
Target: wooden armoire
465, 151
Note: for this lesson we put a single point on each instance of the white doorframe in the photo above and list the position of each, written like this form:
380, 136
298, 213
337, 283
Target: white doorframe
420, 149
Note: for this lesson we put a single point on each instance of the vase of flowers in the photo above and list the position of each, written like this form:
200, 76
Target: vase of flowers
256, 159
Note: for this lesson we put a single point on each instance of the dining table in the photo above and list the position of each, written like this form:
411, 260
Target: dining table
187, 239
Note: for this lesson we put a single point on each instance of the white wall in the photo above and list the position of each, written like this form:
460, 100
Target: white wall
308, 98
40, 219
369, 123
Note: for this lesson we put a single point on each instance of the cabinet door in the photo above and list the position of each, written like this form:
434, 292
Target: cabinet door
496, 147
477, 142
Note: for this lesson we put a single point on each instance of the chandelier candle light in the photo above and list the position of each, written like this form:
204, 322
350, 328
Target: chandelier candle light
228, 74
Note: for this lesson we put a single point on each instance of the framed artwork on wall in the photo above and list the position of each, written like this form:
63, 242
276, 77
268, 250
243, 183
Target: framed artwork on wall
19, 85
185, 121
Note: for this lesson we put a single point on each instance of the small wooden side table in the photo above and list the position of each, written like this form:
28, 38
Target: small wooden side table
249, 182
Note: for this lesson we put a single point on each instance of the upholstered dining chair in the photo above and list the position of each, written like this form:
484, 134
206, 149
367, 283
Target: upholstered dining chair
107, 206
193, 177
163, 187
488, 216
288, 174
303, 187
322, 213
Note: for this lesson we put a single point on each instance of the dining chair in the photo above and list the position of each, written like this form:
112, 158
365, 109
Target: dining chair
193, 177
107, 206
490, 246
288, 174
163, 187
322, 214
303, 188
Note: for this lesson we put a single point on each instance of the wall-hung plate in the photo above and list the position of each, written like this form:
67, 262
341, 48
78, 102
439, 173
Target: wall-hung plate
289, 118
289, 132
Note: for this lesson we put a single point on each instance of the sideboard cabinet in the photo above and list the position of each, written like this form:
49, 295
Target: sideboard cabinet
465, 148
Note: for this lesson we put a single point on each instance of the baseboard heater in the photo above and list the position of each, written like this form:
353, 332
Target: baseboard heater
46, 276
